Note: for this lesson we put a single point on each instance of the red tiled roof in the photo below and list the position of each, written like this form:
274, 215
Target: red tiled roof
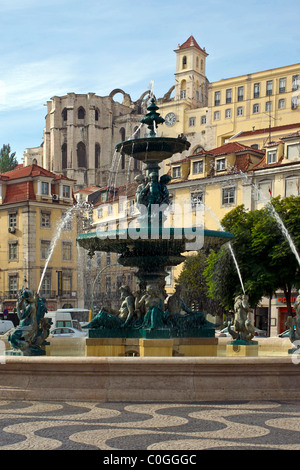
19, 192
31, 170
230, 147
263, 163
190, 42
266, 130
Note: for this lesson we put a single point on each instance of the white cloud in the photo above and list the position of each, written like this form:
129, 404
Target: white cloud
31, 84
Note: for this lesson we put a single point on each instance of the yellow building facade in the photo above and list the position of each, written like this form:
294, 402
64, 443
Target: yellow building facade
35, 209
210, 114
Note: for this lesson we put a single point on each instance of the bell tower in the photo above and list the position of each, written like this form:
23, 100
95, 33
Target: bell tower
190, 79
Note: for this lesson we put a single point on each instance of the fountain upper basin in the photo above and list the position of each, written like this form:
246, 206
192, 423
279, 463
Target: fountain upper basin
121, 240
153, 148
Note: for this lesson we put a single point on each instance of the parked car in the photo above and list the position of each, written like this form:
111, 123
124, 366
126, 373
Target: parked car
5, 326
67, 332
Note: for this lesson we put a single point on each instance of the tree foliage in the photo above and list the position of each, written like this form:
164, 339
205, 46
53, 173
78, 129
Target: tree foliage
264, 256
194, 284
8, 160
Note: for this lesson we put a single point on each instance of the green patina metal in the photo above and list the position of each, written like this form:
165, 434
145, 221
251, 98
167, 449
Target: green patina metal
151, 247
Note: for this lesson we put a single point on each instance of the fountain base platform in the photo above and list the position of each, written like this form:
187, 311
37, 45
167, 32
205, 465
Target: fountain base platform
149, 379
146, 347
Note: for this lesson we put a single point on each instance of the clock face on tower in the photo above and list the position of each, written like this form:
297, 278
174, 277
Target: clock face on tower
170, 119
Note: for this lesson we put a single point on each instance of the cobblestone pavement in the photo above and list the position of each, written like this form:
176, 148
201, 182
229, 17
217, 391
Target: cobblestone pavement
70, 425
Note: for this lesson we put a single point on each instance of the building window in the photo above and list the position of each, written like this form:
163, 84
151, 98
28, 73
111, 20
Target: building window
217, 98
184, 62
46, 286
96, 115
217, 115
45, 248
67, 221
228, 195
45, 188
98, 260
81, 155
293, 151
272, 156
295, 82
12, 220
81, 113
67, 251
255, 108
108, 259
264, 191
292, 186
122, 134
197, 199
176, 172
282, 85
45, 219
268, 105
256, 91
67, 285
228, 95
228, 113
97, 155
66, 191
240, 111
240, 93
12, 251
64, 114
294, 103
192, 121
269, 88
281, 103
203, 119
13, 285
220, 164
183, 94
64, 156
198, 167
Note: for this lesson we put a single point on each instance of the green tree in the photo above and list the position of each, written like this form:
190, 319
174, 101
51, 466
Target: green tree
8, 160
194, 285
265, 258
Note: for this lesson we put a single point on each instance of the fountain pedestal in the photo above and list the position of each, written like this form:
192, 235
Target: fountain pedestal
242, 348
151, 347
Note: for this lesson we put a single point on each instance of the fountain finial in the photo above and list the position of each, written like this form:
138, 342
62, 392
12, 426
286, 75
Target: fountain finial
152, 117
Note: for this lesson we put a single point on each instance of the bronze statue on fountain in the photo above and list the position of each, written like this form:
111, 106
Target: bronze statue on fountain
151, 250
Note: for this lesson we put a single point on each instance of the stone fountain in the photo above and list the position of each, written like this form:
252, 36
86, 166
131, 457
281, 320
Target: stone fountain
150, 247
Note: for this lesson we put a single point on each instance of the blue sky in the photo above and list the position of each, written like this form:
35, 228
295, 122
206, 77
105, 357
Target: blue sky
52, 47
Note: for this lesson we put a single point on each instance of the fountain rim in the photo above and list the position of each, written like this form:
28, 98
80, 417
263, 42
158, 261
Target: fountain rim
122, 236
180, 142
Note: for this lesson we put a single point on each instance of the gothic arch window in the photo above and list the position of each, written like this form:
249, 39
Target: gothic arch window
64, 156
81, 155
122, 134
64, 114
96, 115
81, 113
97, 155
184, 62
